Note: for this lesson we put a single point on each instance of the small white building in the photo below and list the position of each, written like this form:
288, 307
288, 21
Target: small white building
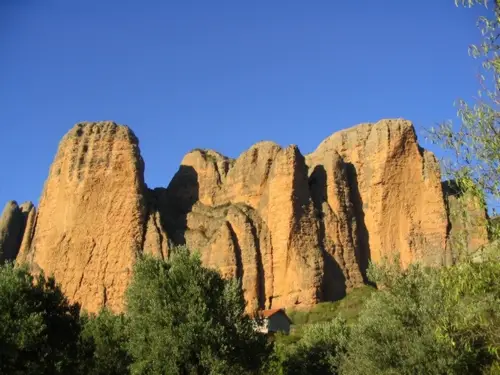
274, 320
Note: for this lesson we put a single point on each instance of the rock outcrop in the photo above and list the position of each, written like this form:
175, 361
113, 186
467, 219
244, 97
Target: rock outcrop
92, 214
295, 229
29, 211
12, 227
345, 253
397, 192
253, 218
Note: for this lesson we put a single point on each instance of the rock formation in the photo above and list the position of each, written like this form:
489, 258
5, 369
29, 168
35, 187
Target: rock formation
345, 253
295, 229
12, 228
257, 226
396, 190
92, 214
29, 211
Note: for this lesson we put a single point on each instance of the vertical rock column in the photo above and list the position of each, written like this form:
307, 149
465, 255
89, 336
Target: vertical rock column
332, 194
92, 214
24, 255
12, 224
287, 208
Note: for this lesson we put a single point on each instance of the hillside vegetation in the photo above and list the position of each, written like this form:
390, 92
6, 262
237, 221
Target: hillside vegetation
183, 318
348, 308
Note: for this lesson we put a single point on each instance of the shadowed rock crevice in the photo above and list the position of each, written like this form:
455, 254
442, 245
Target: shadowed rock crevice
155, 239
13, 223
237, 253
450, 191
363, 255
261, 276
25, 254
177, 201
334, 282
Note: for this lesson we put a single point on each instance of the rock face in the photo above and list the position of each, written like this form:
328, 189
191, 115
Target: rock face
365, 193
397, 193
253, 218
345, 256
295, 229
12, 228
29, 210
92, 214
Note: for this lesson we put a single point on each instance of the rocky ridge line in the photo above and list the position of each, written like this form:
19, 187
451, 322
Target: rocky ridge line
295, 229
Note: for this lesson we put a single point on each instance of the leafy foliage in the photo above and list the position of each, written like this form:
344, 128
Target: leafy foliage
429, 321
39, 329
181, 318
103, 344
186, 319
348, 307
475, 142
320, 350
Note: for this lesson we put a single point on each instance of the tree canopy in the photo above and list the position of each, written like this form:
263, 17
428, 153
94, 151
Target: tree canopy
187, 319
39, 328
475, 140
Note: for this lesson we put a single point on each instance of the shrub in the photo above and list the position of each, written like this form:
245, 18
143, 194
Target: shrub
428, 321
103, 344
39, 328
320, 350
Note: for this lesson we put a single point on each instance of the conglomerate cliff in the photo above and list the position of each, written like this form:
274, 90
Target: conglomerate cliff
295, 229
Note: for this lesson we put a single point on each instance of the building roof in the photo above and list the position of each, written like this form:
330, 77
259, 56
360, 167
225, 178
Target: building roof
268, 313
271, 312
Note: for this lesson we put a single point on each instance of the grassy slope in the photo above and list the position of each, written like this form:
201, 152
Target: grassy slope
348, 307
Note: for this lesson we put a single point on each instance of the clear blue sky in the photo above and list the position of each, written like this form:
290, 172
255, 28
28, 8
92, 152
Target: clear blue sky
220, 74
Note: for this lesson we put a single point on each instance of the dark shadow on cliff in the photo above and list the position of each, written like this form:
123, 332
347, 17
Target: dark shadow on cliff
363, 244
237, 253
334, 282
251, 215
12, 227
261, 287
176, 201
449, 188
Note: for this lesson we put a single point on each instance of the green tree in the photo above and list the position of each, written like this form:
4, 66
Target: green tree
187, 319
103, 344
320, 349
428, 321
39, 328
475, 141
470, 325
